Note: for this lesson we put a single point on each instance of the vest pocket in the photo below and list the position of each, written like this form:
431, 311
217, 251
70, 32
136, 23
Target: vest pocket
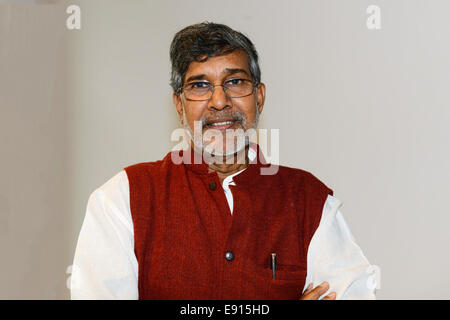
283, 272
258, 283
288, 272
288, 283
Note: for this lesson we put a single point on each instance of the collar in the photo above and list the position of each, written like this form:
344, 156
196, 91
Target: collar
248, 176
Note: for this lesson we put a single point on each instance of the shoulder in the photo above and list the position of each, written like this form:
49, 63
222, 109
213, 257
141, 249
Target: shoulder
114, 193
108, 205
142, 166
115, 185
143, 169
114, 182
303, 179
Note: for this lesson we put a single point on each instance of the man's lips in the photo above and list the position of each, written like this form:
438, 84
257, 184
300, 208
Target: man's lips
220, 124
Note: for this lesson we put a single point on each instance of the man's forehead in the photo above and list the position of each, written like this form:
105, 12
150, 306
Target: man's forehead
219, 66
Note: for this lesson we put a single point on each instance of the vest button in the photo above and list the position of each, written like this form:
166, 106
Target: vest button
212, 185
229, 256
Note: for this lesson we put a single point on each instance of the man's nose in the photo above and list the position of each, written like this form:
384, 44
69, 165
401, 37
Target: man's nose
219, 99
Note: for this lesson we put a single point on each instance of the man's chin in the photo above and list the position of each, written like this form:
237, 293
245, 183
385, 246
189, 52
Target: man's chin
223, 152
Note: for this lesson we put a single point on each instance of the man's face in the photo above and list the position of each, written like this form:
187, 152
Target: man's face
238, 113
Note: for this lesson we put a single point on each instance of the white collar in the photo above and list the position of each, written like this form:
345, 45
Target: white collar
229, 179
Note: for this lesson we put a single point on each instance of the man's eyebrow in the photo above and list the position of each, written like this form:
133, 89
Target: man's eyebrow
196, 77
231, 71
227, 71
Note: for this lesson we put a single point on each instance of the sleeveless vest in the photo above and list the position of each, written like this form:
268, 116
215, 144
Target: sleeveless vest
189, 246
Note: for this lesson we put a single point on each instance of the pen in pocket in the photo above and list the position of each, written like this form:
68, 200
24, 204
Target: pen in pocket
273, 264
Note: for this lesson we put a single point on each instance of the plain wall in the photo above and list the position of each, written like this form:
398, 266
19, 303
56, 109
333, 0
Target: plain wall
365, 111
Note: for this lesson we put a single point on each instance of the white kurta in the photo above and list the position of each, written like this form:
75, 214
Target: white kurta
105, 266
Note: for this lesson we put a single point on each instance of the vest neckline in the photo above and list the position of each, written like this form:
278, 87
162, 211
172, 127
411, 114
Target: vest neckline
247, 177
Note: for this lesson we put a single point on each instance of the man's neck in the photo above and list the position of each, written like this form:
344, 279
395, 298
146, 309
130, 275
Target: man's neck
230, 164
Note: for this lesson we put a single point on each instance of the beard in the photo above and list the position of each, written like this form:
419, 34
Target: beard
221, 143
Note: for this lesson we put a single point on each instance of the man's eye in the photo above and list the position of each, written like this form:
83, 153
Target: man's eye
198, 85
235, 82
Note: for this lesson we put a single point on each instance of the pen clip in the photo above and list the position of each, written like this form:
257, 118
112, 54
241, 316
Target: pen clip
273, 264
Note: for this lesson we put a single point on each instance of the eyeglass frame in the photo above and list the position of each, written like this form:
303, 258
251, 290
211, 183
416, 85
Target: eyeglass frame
212, 87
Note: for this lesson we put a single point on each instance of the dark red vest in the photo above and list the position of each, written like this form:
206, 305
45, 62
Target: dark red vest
183, 229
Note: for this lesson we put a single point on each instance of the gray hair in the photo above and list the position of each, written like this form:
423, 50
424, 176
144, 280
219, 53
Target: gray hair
201, 41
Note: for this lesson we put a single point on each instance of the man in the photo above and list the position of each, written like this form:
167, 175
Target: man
217, 228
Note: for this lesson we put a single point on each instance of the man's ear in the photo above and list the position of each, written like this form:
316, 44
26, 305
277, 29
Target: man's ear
178, 105
260, 96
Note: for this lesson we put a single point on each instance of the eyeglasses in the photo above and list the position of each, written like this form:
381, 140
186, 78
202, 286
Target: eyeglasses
203, 90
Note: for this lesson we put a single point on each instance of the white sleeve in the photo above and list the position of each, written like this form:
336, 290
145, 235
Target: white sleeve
105, 266
334, 257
